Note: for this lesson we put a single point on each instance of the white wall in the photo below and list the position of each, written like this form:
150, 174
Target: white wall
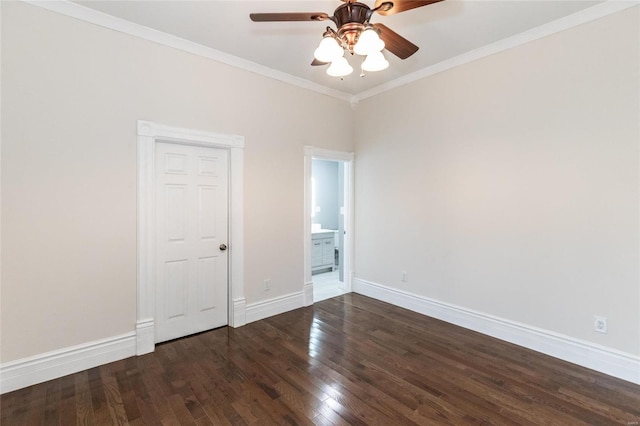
509, 185
72, 93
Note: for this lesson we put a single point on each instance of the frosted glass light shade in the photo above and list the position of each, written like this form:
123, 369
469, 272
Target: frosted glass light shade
368, 42
339, 68
375, 62
329, 50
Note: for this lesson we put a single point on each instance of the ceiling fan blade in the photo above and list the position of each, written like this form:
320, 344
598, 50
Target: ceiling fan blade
316, 63
288, 16
395, 43
401, 5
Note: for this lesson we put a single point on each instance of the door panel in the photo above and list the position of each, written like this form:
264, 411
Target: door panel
207, 274
176, 206
207, 212
175, 284
191, 223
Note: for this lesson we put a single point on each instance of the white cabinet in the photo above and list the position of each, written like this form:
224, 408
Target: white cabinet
323, 250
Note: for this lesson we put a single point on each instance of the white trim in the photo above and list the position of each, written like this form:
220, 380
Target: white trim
92, 16
236, 233
306, 245
328, 154
86, 14
586, 15
239, 312
307, 293
145, 338
51, 365
348, 158
596, 357
276, 306
148, 134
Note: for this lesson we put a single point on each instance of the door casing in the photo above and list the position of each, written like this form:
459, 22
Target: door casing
311, 153
148, 134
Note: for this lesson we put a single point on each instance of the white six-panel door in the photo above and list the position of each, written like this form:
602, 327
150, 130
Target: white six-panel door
191, 235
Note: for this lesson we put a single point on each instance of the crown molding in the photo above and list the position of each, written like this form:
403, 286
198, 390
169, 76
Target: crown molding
587, 15
83, 13
92, 16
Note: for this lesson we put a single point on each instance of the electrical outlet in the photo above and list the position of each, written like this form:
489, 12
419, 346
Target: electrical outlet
267, 284
404, 276
600, 324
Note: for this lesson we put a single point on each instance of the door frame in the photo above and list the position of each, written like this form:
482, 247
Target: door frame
348, 158
148, 134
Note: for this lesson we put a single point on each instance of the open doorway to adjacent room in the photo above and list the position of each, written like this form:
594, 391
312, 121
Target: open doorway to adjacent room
329, 223
327, 228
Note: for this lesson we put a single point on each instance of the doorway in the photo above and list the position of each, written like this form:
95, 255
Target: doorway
327, 228
328, 207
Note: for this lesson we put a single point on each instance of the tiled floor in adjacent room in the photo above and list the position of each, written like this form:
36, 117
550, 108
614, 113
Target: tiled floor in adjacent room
325, 286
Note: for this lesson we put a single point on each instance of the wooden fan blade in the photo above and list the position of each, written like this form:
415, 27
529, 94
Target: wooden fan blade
288, 16
316, 63
395, 43
401, 5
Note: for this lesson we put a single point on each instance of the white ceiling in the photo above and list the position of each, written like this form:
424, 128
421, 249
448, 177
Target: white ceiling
442, 31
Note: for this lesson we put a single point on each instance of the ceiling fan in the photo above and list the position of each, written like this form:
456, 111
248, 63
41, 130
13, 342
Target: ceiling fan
355, 34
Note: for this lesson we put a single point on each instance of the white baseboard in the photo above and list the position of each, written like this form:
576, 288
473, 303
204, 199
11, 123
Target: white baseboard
51, 365
40, 368
238, 316
605, 360
308, 293
275, 306
145, 337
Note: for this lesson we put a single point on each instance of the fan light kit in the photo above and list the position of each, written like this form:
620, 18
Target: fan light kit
332, 48
355, 34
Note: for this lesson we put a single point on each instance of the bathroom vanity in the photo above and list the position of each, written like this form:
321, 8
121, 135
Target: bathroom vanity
323, 246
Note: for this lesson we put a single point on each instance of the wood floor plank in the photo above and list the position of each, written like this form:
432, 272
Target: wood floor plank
113, 401
84, 407
36, 405
349, 360
52, 401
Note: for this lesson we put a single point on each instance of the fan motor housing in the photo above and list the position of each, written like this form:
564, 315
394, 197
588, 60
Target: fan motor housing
350, 18
352, 13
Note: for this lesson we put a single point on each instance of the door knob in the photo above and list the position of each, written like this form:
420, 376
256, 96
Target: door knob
223, 247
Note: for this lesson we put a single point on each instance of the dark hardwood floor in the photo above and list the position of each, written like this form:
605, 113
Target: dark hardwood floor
347, 360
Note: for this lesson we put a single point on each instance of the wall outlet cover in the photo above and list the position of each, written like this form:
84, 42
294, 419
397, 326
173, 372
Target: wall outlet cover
600, 324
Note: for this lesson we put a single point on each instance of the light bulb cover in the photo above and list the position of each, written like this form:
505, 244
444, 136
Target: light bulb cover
339, 68
328, 50
375, 62
368, 42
